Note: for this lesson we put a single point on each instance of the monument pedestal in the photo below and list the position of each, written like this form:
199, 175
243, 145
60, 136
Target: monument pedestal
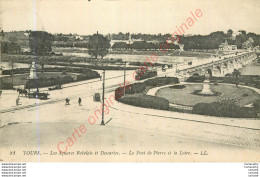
33, 73
206, 88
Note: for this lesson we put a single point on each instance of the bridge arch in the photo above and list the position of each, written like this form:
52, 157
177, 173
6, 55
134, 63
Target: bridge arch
219, 68
225, 64
209, 72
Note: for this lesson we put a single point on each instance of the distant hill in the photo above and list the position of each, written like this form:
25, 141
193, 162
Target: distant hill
19, 37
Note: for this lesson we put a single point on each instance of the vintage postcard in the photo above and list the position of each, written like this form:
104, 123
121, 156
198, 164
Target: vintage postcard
129, 81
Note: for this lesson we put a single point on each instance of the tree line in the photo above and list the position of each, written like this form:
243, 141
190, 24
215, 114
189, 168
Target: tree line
211, 41
141, 45
41, 42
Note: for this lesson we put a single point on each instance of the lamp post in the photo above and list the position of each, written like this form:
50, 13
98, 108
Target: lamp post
103, 99
124, 77
1, 37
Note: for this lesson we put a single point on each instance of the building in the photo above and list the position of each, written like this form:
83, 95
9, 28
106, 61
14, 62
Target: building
225, 46
130, 41
248, 45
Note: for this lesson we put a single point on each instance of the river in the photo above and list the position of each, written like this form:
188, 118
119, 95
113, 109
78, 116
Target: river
140, 58
251, 69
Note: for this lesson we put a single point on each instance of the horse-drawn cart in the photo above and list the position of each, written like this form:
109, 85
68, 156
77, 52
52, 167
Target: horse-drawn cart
39, 95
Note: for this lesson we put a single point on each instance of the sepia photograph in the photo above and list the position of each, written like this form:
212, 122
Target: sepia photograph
129, 81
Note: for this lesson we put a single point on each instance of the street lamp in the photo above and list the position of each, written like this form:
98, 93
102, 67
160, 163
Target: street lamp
103, 99
124, 77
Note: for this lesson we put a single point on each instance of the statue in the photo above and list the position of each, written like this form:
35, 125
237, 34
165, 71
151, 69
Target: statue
33, 73
206, 86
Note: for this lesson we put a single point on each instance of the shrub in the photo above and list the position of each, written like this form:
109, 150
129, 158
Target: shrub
257, 105
145, 75
64, 80
245, 95
118, 93
89, 75
196, 79
224, 110
48, 82
6, 85
137, 88
159, 81
253, 81
132, 89
146, 101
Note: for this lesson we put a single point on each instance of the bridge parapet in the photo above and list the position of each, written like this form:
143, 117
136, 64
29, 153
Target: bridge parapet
223, 66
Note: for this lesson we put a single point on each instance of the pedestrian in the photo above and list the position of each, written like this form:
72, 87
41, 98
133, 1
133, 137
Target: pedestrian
100, 77
79, 101
17, 100
67, 101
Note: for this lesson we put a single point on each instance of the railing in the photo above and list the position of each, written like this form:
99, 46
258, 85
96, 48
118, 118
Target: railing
220, 61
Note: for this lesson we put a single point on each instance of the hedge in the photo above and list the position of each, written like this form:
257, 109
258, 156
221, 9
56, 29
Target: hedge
6, 85
140, 87
56, 69
196, 79
90, 75
250, 80
145, 75
142, 100
137, 88
48, 82
160, 81
146, 101
222, 110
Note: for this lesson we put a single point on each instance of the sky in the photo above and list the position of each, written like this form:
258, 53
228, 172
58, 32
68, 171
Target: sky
135, 16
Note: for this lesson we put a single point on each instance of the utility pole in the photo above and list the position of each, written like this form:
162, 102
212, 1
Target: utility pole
1, 37
124, 77
97, 46
103, 99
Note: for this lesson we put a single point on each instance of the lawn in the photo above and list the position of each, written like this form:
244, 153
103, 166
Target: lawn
184, 97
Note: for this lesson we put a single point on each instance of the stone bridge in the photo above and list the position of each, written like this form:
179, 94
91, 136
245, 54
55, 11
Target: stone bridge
220, 67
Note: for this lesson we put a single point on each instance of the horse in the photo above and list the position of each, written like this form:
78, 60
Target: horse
22, 91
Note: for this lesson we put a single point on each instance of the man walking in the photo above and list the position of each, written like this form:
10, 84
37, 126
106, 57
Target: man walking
17, 100
67, 101
79, 101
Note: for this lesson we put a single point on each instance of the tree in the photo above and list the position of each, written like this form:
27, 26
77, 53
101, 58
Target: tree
10, 47
242, 32
40, 42
241, 38
11, 64
42, 65
230, 33
98, 46
236, 73
120, 45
